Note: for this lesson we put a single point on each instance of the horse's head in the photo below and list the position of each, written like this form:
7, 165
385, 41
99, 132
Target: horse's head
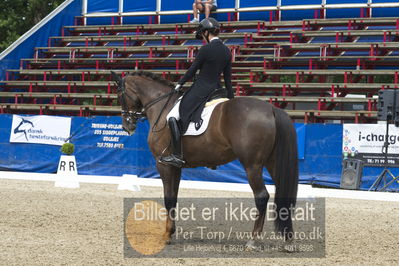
131, 105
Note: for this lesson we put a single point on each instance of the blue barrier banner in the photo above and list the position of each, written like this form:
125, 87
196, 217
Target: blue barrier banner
301, 138
323, 160
25, 157
103, 148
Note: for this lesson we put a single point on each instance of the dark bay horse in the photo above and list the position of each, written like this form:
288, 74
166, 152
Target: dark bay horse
250, 130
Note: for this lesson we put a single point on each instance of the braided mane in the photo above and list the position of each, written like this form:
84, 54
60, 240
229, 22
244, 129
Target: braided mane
153, 76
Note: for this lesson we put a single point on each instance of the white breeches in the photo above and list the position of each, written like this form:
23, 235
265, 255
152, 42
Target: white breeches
174, 112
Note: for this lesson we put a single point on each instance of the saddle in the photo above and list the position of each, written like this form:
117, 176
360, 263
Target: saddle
217, 94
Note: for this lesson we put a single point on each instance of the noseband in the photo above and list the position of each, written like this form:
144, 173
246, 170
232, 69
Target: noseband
130, 116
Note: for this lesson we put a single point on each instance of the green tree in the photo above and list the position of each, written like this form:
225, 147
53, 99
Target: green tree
18, 16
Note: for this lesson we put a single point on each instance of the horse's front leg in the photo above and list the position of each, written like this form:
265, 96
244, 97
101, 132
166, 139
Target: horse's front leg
171, 179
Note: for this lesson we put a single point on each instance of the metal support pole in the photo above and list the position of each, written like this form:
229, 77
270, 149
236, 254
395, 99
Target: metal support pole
158, 9
237, 6
120, 11
84, 11
323, 3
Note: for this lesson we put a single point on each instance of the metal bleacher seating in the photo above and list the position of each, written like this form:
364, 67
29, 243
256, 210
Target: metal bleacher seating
319, 70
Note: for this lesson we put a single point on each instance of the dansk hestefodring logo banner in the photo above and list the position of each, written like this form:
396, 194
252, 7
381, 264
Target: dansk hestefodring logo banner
43, 129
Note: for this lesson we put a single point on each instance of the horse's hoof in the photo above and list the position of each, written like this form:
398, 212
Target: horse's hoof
166, 237
250, 246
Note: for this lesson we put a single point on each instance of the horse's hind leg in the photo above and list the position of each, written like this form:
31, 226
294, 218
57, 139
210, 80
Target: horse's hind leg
261, 195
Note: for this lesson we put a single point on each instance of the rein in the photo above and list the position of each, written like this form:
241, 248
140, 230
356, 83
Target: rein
169, 94
145, 108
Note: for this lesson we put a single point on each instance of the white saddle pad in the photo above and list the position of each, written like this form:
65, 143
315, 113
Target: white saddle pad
206, 116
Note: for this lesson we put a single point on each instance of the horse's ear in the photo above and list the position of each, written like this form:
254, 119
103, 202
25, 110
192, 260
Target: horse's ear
119, 81
115, 77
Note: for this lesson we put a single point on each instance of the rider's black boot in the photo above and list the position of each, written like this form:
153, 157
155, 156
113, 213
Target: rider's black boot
176, 158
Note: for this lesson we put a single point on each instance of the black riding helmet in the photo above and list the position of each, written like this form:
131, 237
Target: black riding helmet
207, 24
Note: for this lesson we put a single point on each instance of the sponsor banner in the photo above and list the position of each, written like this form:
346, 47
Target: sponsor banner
366, 142
108, 135
52, 130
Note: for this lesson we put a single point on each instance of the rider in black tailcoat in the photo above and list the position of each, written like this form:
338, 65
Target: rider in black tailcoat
212, 60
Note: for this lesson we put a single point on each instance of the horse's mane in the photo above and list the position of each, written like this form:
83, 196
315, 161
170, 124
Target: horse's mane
153, 76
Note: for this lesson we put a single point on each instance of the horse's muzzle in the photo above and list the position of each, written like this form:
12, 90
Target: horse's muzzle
130, 131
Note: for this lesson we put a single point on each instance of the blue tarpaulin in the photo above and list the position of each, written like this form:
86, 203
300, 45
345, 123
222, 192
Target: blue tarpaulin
170, 5
102, 148
103, 6
298, 14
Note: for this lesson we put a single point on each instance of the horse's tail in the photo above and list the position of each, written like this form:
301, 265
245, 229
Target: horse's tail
285, 171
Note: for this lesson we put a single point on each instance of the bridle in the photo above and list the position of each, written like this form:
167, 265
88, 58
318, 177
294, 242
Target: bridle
130, 116
134, 116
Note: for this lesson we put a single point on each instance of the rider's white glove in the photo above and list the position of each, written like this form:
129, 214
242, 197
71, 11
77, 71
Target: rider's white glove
177, 88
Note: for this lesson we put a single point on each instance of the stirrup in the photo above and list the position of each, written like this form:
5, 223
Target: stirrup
172, 160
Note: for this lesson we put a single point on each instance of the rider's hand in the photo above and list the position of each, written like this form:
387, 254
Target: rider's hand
178, 88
